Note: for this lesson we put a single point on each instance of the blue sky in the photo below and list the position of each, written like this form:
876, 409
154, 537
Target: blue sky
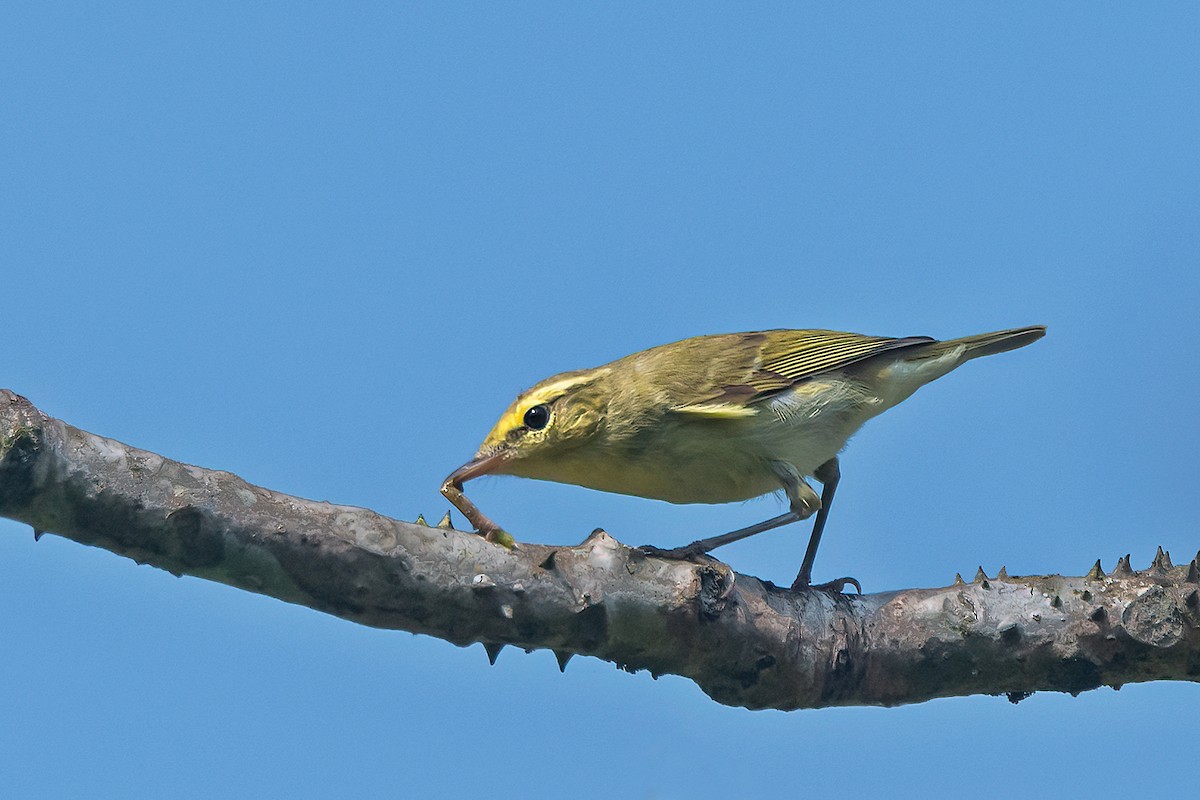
323, 246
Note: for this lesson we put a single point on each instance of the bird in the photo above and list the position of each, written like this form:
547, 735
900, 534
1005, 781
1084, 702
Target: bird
717, 419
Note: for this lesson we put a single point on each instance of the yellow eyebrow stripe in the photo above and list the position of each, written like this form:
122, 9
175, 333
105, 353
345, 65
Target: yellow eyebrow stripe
555, 390
557, 386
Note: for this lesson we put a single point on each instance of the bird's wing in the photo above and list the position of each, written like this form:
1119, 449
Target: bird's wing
783, 358
796, 355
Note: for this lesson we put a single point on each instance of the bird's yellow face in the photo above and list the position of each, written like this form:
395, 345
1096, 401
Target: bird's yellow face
558, 415
542, 427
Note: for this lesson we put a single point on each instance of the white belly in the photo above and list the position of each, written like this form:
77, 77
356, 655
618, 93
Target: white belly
721, 461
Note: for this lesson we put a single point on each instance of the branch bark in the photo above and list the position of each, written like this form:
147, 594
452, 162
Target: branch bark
743, 641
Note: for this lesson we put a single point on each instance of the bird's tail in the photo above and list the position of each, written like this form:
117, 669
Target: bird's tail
987, 344
922, 362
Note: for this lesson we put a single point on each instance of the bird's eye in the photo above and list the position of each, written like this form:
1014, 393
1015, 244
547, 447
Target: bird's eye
537, 417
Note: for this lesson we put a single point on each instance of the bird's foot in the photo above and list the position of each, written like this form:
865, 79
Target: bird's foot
692, 553
836, 586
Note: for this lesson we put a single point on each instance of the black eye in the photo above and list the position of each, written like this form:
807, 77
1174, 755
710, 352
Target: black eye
537, 418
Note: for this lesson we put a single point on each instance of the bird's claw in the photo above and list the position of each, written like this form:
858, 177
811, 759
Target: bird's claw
687, 553
836, 586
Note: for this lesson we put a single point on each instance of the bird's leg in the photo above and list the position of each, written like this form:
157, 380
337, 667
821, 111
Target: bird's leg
804, 502
702, 546
828, 474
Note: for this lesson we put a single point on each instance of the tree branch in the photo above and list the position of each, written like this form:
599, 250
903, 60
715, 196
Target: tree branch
743, 641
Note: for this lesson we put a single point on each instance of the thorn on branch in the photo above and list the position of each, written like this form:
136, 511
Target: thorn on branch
594, 538
1096, 573
493, 652
562, 657
38, 534
420, 520
444, 524
1162, 560
1123, 570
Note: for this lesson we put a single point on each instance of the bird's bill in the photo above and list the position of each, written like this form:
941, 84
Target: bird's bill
480, 465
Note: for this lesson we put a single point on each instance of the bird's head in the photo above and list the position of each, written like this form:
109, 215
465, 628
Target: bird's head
543, 426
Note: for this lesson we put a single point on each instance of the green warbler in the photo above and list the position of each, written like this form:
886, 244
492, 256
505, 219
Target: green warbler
714, 419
